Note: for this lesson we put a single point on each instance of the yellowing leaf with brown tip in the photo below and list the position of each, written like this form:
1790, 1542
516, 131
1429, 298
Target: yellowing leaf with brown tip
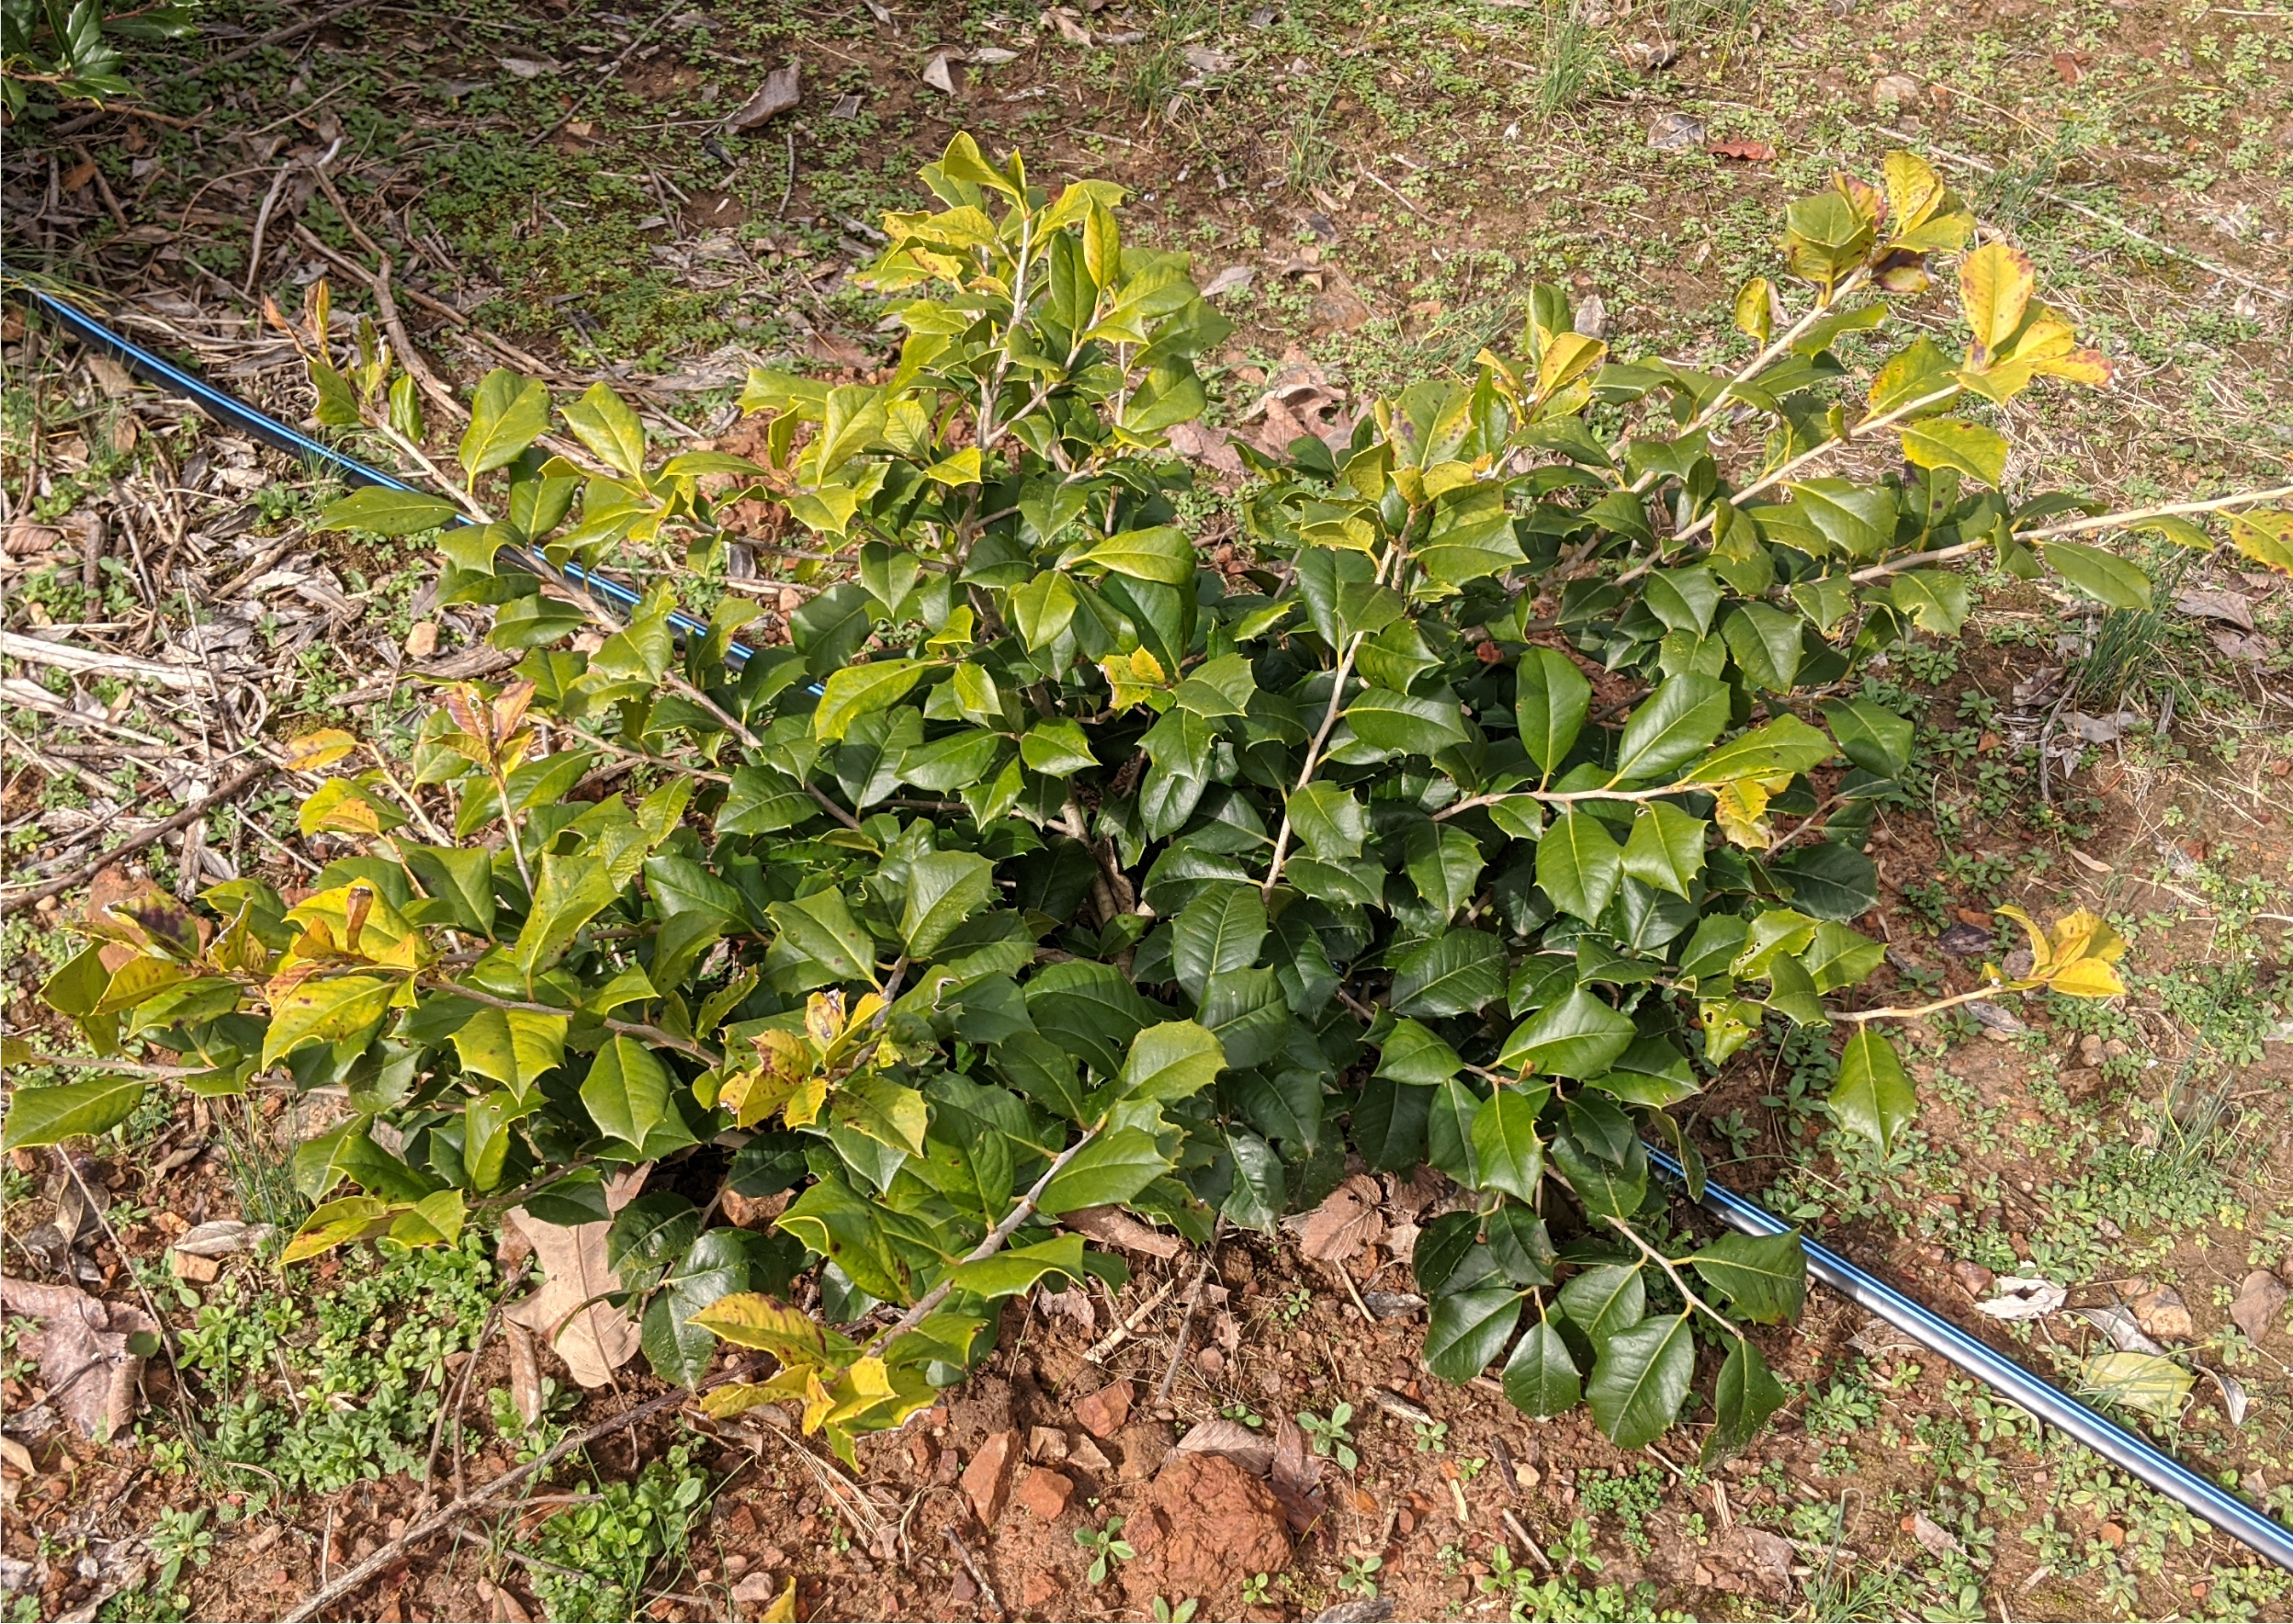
313, 751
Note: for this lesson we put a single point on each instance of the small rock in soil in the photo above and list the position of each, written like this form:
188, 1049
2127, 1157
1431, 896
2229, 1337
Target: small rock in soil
1144, 1443
1898, 88
1044, 1493
1104, 1413
987, 1479
1046, 1444
2163, 1313
1973, 1279
1037, 1588
2259, 1303
1208, 1526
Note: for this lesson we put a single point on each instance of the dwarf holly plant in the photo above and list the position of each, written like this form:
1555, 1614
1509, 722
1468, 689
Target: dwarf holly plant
1504, 780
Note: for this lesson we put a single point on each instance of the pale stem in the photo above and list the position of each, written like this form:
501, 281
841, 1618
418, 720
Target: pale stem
985, 1248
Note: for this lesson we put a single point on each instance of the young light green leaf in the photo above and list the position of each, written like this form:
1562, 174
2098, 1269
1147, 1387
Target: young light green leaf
861, 690
1171, 1061
507, 414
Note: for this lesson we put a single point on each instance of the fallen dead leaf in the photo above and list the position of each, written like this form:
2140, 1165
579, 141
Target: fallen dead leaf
1233, 279
1073, 1305
2259, 1303
1111, 1226
1295, 1476
1252, 1451
591, 1337
2217, 605
524, 1370
1346, 1220
92, 1374
779, 94
940, 71
1742, 152
2021, 1297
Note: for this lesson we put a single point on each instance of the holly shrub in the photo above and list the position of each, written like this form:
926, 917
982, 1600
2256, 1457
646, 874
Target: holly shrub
1504, 780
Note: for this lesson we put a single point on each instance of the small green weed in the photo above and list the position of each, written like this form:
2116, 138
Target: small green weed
612, 1542
1329, 1436
1107, 1546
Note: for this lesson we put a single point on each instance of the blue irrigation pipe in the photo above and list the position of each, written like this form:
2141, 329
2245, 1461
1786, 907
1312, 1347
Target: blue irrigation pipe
2133, 1455
2128, 1452
225, 409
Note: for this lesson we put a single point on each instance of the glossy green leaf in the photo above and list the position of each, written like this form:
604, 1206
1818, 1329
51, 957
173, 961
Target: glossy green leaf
1221, 929
1328, 820
944, 889
1469, 1330
1670, 727
1579, 1036
1873, 1096
1550, 701
1455, 973
1579, 864
1664, 850
858, 691
1743, 1398
1641, 1379
1171, 1061
1505, 1146
2100, 575
1763, 1276
1540, 1378
68, 1110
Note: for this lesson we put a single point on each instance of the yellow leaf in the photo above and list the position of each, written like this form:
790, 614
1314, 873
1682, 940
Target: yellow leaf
2085, 935
2041, 952
824, 1018
1567, 358
750, 1319
1755, 309
2266, 539
2087, 978
316, 751
1914, 190
783, 1608
1994, 284
1741, 807
803, 1105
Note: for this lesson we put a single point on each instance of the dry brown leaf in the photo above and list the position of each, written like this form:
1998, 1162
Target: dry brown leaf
2233, 607
2259, 1303
1111, 1226
591, 1337
81, 1348
779, 93
1346, 1220
1251, 1450
524, 1370
1073, 1305
1295, 1476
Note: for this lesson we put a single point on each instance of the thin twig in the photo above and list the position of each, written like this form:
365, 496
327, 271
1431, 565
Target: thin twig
95, 865
979, 1575
1186, 1321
